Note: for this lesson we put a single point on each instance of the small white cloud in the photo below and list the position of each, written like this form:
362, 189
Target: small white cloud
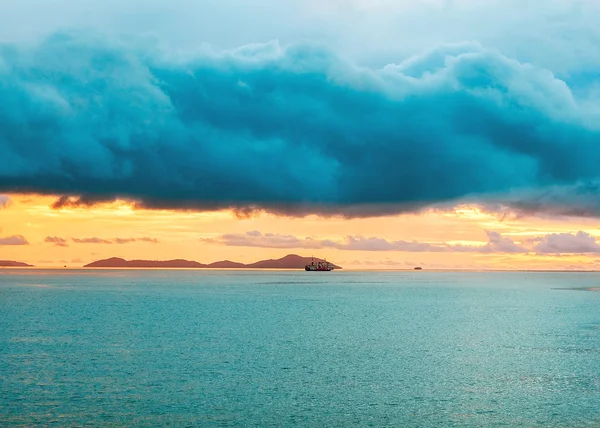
557, 243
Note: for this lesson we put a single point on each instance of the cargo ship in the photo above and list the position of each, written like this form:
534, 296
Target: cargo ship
319, 266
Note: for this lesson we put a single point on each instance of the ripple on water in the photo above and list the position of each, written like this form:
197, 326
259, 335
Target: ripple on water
210, 349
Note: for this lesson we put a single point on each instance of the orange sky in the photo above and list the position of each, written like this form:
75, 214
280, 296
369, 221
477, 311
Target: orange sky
196, 235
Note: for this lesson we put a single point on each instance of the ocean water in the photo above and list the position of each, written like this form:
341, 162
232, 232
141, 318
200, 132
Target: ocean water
273, 348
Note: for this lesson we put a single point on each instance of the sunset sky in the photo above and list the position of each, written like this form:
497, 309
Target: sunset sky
377, 134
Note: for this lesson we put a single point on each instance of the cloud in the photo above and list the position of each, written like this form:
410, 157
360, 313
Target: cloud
268, 240
129, 240
96, 240
289, 129
554, 243
57, 241
14, 240
93, 240
4, 201
560, 243
496, 243
558, 34
75, 202
359, 243
580, 200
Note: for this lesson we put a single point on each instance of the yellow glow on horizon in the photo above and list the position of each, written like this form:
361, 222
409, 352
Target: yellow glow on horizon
466, 243
183, 234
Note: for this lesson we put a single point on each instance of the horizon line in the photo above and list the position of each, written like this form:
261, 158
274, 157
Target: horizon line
473, 270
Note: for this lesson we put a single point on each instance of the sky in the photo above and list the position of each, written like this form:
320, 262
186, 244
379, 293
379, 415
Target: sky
449, 134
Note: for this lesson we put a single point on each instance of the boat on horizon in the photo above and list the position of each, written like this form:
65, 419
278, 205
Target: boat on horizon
321, 266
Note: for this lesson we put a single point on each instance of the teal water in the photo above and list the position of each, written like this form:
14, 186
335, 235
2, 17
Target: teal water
266, 348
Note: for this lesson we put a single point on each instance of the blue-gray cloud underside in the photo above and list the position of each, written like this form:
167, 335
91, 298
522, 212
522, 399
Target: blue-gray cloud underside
291, 130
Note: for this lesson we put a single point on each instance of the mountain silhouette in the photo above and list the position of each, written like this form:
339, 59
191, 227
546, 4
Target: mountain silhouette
9, 263
291, 261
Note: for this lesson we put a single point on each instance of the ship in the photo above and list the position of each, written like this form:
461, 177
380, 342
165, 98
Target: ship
322, 266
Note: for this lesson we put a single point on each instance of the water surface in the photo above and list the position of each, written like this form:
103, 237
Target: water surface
272, 348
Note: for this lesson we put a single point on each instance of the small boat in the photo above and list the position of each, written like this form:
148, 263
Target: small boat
321, 266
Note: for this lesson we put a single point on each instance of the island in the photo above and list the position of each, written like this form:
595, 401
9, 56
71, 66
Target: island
116, 262
291, 261
10, 263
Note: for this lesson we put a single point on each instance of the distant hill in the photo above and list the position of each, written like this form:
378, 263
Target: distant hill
9, 263
116, 262
226, 264
291, 261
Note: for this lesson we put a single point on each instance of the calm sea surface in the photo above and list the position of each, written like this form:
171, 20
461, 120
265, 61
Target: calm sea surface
268, 348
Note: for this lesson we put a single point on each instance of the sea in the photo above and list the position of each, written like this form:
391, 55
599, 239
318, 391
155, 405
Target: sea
292, 348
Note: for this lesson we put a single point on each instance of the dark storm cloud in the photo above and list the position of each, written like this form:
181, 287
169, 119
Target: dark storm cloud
291, 130
81, 201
